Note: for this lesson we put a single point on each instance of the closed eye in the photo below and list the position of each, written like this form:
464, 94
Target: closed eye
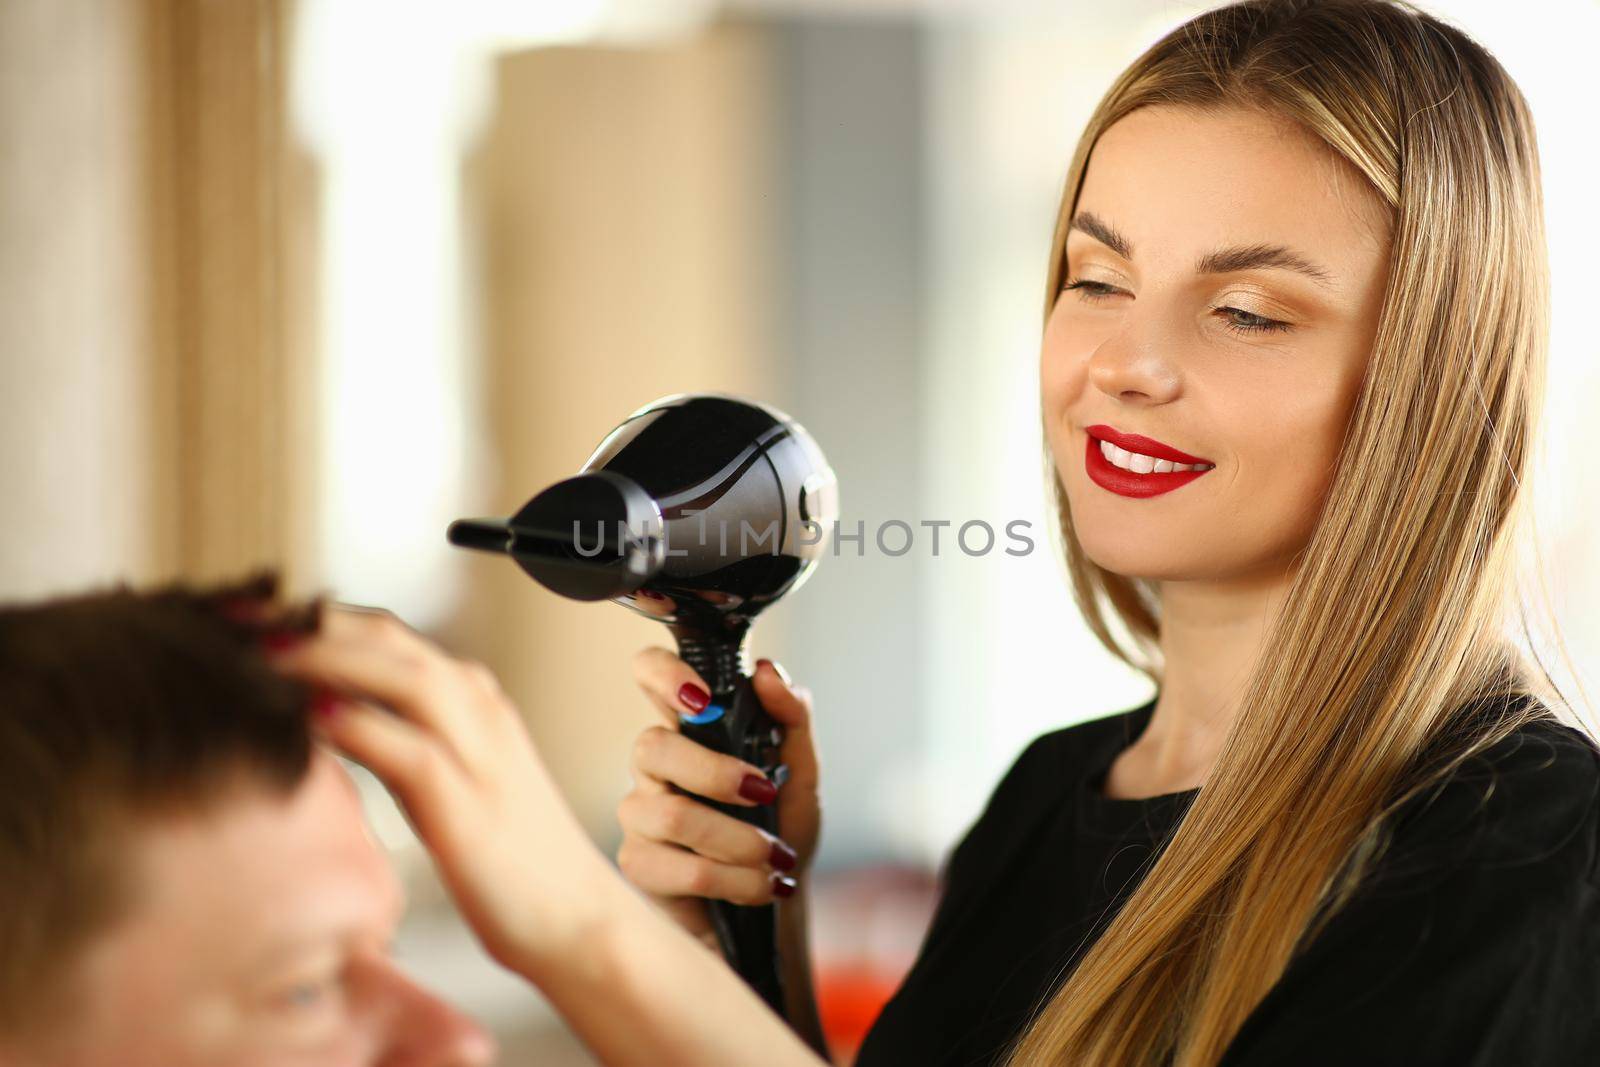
1245, 322
1088, 290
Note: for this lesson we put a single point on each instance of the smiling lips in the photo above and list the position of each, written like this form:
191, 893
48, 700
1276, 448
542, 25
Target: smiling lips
1147, 453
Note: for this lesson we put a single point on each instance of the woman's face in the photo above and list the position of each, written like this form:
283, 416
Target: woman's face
1192, 228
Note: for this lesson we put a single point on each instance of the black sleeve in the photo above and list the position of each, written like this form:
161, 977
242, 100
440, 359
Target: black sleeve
1477, 944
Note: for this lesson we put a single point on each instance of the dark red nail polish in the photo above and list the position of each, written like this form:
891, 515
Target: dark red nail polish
693, 697
240, 609
783, 885
280, 640
756, 788
782, 857
648, 595
324, 705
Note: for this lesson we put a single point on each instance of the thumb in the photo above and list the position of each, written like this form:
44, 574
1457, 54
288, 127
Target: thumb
791, 707
789, 704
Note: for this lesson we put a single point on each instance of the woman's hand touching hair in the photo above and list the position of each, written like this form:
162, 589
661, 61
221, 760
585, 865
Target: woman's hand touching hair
448, 743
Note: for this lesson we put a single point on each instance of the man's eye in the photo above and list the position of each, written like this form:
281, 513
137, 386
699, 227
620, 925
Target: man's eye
306, 995
302, 995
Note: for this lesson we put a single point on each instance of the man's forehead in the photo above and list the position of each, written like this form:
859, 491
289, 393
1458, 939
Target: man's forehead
260, 869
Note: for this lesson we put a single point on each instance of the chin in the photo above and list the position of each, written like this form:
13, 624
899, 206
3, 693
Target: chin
1135, 565
1159, 552
1134, 557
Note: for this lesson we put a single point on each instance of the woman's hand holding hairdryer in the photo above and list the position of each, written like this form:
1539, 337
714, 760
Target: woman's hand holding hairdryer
680, 851
449, 745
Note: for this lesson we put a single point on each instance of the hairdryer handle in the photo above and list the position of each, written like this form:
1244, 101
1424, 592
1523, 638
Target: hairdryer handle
735, 723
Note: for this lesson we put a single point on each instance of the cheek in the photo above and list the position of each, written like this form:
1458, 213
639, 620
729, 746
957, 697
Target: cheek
1063, 373
1287, 451
1063, 353
140, 996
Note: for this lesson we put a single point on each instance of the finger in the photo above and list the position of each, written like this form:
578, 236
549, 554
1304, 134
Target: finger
669, 871
374, 656
780, 696
422, 775
663, 675
668, 756
675, 819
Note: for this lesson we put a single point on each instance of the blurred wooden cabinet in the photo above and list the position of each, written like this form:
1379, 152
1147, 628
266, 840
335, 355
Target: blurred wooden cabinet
232, 285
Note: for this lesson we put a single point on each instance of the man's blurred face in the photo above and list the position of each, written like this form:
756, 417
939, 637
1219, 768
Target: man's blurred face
258, 936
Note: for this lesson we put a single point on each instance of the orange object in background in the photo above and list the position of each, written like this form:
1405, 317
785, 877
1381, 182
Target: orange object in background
849, 998
867, 925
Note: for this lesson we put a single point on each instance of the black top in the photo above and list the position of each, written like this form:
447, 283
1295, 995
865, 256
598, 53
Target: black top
1475, 940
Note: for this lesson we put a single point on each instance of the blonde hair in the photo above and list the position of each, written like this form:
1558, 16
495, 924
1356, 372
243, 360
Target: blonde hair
1351, 711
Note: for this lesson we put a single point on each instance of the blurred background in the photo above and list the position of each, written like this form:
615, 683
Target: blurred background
300, 281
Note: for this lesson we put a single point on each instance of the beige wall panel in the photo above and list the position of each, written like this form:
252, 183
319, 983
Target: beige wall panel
623, 240
154, 294
74, 424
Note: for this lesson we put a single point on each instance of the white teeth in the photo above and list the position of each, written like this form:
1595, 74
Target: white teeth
1142, 464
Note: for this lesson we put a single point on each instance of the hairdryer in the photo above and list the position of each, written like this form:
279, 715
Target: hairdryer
699, 510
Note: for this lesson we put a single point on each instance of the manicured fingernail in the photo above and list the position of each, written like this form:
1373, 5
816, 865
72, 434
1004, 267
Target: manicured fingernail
693, 697
648, 595
324, 705
756, 788
240, 609
782, 856
775, 665
280, 640
782, 885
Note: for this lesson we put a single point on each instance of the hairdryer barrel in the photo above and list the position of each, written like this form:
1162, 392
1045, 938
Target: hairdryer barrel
699, 510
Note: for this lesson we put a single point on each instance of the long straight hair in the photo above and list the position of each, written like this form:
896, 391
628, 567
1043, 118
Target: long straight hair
1391, 660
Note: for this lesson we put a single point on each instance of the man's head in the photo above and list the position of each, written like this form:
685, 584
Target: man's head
187, 879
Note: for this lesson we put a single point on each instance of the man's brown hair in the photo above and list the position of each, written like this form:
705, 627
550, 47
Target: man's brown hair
116, 706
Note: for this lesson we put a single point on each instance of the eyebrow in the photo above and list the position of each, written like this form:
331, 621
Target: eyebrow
343, 931
300, 947
1221, 261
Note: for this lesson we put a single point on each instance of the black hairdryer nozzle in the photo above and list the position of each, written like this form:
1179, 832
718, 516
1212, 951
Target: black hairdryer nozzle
590, 537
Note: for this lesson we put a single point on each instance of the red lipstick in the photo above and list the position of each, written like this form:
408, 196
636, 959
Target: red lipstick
1109, 476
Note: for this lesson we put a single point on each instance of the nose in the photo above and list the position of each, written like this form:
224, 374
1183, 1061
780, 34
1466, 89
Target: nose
1135, 364
423, 1030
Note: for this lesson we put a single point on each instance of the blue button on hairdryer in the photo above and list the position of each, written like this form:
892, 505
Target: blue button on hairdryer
713, 507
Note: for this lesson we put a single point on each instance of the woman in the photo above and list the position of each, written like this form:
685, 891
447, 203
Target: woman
1300, 244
